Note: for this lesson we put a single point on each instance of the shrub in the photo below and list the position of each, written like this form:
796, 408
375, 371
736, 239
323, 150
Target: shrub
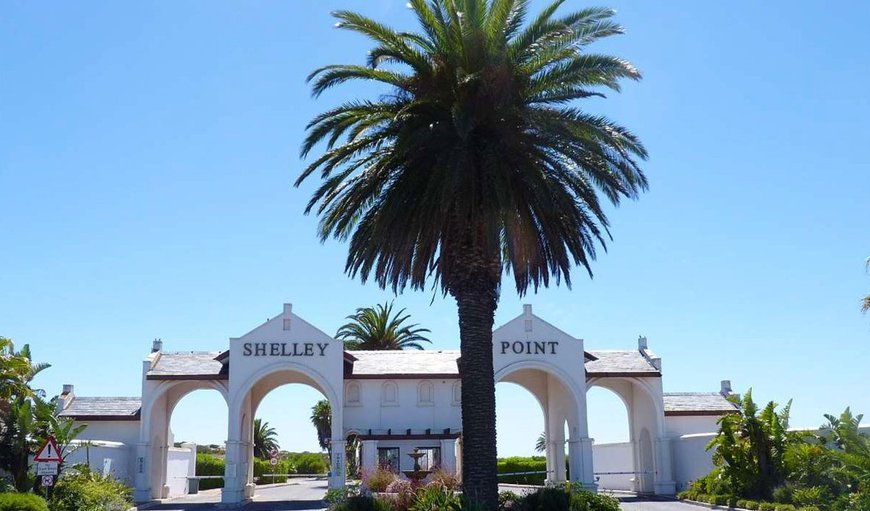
785, 507
81, 489
509, 500
814, 495
747, 504
444, 479
308, 463
766, 506
262, 467
22, 502
435, 499
782, 495
587, 501
378, 479
522, 464
209, 465
360, 503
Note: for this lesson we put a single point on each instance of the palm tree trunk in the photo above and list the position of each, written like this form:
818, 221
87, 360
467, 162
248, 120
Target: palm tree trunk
477, 303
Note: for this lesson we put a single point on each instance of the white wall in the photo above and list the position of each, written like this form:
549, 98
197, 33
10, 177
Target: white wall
680, 425
616, 457
691, 459
180, 464
126, 432
407, 412
95, 453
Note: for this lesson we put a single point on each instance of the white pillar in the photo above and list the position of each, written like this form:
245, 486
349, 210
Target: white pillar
236, 458
142, 491
664, 478
369, 461
580, 454
337, 468
448, 455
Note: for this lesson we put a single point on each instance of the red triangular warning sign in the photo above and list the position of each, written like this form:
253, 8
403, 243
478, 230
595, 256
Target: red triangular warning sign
48, 451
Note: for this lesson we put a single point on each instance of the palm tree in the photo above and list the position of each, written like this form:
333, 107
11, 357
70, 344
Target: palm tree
321, 417
541, 443
473, 163
265, 439
865, 304
376, 328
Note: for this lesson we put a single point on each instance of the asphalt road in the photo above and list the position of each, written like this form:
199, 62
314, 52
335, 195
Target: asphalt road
307, 494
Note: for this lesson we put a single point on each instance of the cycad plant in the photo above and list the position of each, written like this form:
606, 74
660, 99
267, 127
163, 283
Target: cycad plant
377, 328
475, 160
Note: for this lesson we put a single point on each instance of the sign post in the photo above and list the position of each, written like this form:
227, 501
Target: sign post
47, 460
273, 460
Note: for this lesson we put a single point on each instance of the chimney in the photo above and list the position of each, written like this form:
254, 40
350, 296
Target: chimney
66, 398
157, 345
641, 342
288, 311
725, 388
527, 312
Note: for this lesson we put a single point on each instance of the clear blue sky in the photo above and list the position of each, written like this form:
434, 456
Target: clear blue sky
147, 152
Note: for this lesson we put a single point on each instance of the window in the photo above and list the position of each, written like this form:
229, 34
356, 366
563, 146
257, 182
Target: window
390, 394
425, 394
388, 458
432, 460
457, 394
351, 394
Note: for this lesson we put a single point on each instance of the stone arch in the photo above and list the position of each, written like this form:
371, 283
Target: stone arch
160, 399
244, 401
562, 403
650, 463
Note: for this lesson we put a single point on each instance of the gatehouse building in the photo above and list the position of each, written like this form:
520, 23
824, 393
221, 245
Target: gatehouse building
398, 401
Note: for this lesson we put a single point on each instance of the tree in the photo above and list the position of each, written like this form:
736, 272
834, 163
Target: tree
376, 328
321, 417
265, 438
472, 163
750, 448
865, 304
541, 443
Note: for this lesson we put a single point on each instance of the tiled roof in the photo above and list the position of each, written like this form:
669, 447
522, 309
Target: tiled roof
187, 364
697, 403
617, 363
118, 408
372, 364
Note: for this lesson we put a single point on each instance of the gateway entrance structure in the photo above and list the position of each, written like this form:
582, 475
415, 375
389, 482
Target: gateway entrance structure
398, 401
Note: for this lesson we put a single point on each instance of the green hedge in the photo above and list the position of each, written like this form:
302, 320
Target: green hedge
209, 465
22, 502
522, 464
308, 462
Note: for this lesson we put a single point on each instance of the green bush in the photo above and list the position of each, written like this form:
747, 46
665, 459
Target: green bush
435, 499
782, 495
766, 506
22, 502
747, 504
308, 463
262, 467
209, 465
523, 464
785, 507
360, 503
80, 489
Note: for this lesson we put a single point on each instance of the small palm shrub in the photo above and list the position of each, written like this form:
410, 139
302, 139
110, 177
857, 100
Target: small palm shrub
436, 499
812, 496
22, 502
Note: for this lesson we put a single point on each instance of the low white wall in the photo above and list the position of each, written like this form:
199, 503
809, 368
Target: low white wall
99, 455
180, 464
691, 460
617, 457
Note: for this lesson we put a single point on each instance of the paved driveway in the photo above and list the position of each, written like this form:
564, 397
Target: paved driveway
307, 494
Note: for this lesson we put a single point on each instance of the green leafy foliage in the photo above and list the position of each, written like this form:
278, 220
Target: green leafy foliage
516, 464
265, 439
22, 502
209, 465
308, 462
377, 328
80, 489
749, 449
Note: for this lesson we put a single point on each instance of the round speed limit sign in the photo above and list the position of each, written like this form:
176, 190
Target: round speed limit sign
273, 461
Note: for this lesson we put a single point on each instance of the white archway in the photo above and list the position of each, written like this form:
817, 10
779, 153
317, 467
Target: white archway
244, 401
